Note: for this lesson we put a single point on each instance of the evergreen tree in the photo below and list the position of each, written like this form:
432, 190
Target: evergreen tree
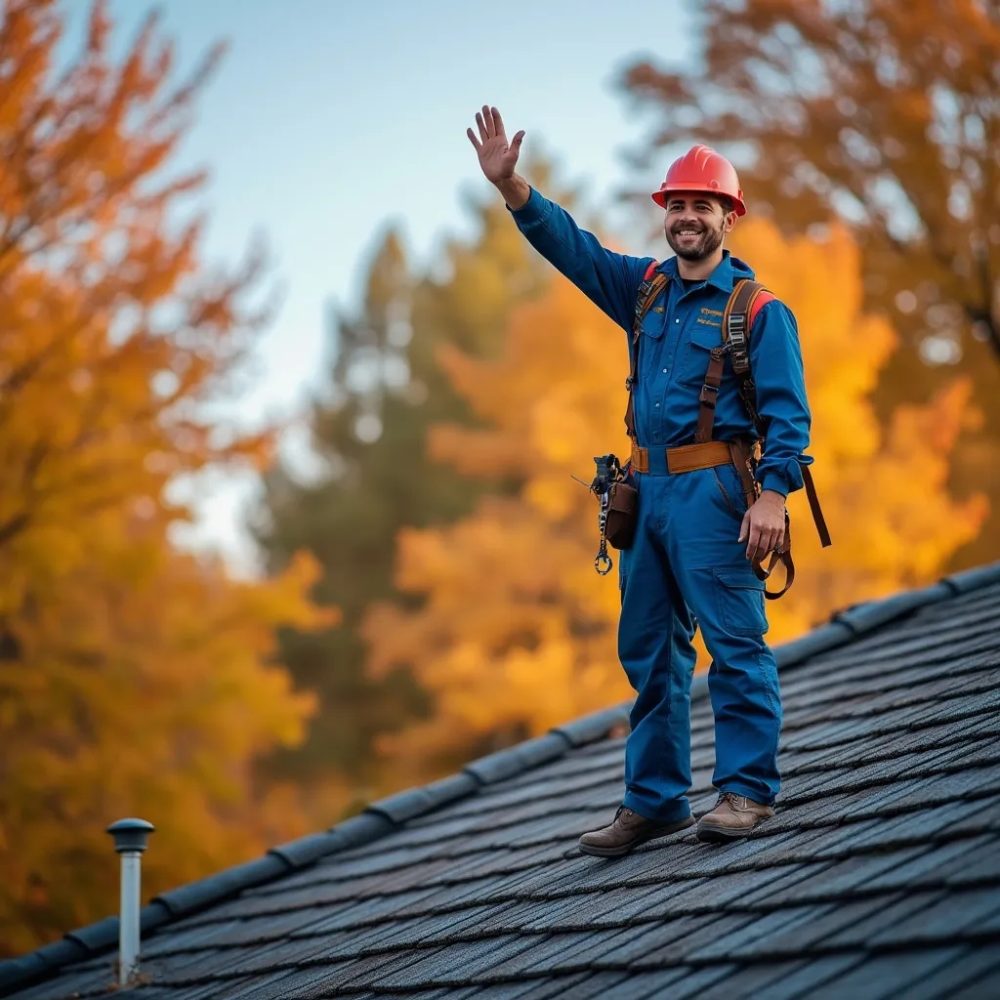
370, 432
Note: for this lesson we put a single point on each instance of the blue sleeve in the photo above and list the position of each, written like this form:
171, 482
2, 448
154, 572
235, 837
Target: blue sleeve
610, 280
776, 364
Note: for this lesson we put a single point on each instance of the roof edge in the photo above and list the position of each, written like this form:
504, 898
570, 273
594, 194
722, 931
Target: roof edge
859, 619
392, 812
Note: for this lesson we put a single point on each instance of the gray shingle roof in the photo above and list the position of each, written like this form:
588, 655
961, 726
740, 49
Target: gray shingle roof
879, 876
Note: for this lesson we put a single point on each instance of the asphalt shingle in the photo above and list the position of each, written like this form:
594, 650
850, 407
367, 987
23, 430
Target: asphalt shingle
878, 877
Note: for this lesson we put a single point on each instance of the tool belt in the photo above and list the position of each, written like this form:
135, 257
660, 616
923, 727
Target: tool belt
689, 457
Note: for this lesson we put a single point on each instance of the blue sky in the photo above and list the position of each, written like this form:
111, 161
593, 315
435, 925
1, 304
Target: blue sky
327, 121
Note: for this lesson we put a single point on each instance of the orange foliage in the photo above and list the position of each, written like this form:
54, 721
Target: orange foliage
884, 493
134, 680
516, 633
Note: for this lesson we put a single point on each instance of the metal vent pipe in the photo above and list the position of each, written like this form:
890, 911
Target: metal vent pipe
130, 841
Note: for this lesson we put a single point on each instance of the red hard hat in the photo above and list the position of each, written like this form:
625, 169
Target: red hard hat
702, 169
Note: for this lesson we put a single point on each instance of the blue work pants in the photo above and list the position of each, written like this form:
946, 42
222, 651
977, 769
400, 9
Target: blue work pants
687, 569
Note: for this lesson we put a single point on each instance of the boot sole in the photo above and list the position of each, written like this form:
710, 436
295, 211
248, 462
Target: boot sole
722, 835
617, 852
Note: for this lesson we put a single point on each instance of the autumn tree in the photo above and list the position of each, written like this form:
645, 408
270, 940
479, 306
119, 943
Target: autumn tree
369, 435
886, 115
514, 631
134, 679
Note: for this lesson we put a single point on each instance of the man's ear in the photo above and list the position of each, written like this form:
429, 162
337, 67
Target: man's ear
729, 221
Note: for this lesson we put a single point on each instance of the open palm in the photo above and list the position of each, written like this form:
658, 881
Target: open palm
497, 157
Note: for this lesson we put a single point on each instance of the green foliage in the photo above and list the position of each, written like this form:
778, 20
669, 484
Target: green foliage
370, 432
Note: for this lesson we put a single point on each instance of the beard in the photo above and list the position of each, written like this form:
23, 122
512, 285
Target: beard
704, 245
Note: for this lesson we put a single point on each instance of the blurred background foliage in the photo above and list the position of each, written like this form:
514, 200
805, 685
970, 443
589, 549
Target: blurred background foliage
429, 593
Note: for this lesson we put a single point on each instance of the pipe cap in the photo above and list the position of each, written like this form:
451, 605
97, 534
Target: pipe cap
131, 834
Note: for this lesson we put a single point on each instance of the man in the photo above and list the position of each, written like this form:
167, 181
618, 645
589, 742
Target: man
691, 561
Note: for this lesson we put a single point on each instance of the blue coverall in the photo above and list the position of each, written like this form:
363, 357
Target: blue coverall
686, 567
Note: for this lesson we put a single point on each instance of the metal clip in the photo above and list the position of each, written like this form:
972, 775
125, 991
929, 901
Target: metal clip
603, 563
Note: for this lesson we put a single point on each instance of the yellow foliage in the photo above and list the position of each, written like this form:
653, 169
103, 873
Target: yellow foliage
516, 633
884, 494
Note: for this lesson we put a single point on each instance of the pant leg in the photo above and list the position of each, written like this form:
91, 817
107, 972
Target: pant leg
727, 600
654, 645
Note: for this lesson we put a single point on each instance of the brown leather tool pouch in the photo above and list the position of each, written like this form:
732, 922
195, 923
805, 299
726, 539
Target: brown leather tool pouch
623, 512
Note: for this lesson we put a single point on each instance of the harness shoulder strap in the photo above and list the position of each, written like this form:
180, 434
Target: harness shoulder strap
653, 283
735, 341
742, 308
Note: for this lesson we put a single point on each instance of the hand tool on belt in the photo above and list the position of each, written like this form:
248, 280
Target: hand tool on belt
746, 300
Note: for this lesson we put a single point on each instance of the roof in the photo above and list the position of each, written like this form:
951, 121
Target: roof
877, 877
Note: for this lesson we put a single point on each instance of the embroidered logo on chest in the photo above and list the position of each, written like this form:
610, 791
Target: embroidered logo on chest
710, 317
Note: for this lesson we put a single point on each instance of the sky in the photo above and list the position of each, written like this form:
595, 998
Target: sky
329, 120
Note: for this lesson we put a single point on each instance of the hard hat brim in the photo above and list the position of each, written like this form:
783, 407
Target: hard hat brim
660, 197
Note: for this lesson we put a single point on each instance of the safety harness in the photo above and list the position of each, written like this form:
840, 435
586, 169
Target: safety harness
745, 302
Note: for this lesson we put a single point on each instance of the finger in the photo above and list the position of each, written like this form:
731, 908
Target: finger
516, 142
483, 136
488, 119
472, 138
754, 542
743, 527
498, 124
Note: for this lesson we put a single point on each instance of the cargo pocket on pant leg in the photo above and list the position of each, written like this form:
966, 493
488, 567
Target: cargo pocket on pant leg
741, 601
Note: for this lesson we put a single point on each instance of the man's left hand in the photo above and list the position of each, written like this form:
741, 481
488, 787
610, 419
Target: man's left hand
764, 525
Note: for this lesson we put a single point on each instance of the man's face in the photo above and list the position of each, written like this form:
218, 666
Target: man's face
696, 224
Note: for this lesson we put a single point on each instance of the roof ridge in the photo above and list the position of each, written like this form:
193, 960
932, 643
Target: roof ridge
392, 812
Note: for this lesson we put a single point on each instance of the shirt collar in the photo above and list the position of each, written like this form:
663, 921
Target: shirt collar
721, 277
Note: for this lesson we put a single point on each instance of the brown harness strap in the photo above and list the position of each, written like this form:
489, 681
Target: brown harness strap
734, 318
741, 455
817, 511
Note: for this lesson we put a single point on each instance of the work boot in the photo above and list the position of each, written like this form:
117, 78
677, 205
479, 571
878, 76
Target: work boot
627, 830
733, 816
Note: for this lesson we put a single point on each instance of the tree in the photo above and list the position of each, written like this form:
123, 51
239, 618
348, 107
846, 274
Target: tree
887, 116
134, 679
369, 433
513, 631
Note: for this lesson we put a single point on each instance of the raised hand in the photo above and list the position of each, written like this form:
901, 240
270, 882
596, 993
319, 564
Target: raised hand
497, 158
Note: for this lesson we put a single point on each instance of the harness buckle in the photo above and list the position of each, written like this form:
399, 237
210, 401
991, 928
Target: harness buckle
709, 395
737, 342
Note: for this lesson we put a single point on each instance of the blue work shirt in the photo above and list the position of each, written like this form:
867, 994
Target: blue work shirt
678, 332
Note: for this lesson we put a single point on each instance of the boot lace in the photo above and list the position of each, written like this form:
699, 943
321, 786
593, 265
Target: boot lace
730, 797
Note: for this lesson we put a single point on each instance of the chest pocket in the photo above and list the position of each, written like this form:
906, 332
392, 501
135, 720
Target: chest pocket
653, 322
693, 356
651, 341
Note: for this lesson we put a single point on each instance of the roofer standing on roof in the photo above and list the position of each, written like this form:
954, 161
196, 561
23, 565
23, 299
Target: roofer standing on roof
699, 530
